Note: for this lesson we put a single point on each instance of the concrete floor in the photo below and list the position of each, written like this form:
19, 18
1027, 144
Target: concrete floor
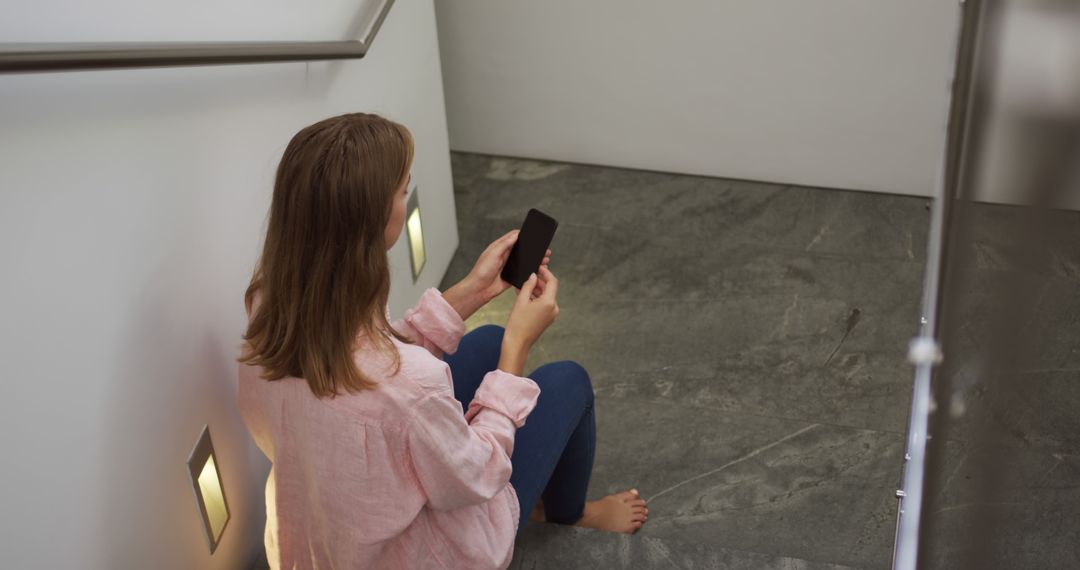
746, 342
1010, 469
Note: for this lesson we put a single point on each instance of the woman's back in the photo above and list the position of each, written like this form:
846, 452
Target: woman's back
352, 474
375, 465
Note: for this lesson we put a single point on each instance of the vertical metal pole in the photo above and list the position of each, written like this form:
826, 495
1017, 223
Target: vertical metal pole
925, 349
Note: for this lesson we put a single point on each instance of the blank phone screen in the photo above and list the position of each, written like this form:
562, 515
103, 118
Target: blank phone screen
528, 253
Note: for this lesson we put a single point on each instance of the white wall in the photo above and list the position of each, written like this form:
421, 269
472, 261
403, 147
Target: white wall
835, 93
132, 206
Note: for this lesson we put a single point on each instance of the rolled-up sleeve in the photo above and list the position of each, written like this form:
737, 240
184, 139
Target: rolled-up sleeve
432, 324
510, 396
465, 460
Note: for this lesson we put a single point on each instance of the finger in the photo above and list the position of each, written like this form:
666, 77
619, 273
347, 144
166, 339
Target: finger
500, 249
527, 289
504, 243
551, 286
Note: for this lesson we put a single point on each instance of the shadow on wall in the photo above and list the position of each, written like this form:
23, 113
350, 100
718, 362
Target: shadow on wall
133, 202
176, 371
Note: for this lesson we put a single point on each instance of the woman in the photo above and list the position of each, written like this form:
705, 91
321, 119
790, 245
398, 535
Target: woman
375, 465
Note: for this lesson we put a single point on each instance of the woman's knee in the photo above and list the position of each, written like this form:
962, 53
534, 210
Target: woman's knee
488, 338
566, 376
481, 347
489, 333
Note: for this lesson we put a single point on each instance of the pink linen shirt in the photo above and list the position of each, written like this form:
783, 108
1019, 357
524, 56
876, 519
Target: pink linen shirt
395, 477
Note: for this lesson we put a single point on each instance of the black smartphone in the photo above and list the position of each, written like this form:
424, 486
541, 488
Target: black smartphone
532, 243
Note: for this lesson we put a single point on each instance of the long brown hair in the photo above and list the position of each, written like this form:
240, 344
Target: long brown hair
323, 279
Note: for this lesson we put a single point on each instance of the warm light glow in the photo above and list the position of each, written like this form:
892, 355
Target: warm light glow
213, 498
416, 241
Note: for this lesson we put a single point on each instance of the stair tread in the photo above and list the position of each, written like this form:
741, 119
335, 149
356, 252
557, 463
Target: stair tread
570, 548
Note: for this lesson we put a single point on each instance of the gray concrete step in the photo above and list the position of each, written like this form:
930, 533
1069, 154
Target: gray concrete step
544, 546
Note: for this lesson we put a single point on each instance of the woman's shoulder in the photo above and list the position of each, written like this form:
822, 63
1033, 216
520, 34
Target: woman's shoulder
422, 370
417, 375
396, 393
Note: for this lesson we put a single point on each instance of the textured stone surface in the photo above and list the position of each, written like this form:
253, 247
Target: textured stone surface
746, 343
1010, 390
552, 546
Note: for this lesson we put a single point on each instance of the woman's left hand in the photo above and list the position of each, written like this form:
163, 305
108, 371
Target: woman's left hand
486, 274
484, 282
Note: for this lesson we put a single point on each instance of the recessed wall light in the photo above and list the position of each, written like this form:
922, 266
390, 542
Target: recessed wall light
203, 467
416, 234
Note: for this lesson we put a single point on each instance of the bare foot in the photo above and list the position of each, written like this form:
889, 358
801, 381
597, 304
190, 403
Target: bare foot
622, 512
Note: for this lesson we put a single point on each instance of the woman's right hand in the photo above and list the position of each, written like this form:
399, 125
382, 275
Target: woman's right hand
529, 318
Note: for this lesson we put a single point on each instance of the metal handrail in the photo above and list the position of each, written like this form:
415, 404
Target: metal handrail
25, 58
912, 495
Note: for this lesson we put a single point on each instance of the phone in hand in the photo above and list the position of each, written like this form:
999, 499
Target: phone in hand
532, 244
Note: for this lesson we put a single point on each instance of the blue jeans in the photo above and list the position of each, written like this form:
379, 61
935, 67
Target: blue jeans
554, 450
